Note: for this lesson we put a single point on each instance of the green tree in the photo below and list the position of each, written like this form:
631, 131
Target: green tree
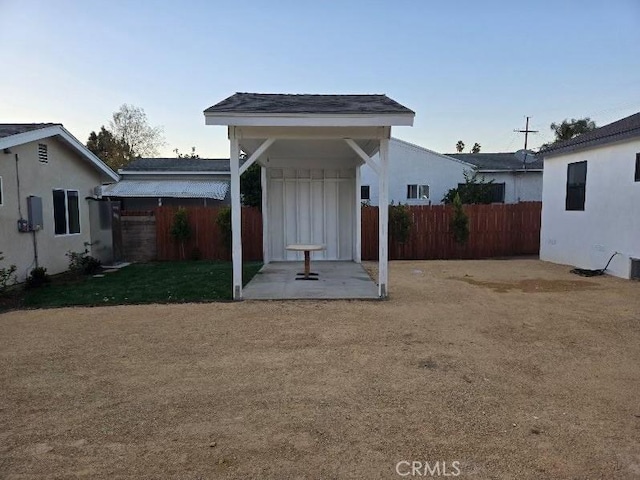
181, 229
251, 186
113, 151
567, 129
130, 125
459, 146
476, 148
460, 222
400, 222
475, 189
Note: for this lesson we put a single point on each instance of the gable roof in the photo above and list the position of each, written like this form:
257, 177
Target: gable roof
8, 129
628, 127
178, 165
423, 149
14, 134
307, 103
504, 161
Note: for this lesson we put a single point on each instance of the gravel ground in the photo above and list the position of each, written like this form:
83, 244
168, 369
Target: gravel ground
515, 369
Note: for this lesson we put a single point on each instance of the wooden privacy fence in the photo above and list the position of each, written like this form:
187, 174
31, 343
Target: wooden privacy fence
206, 240
497, 230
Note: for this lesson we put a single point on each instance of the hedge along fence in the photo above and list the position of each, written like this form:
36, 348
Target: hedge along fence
206, 241
497, 230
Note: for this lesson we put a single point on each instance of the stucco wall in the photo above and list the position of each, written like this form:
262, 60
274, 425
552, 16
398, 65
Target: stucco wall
65, 169
610, 221
519, 186
410, 164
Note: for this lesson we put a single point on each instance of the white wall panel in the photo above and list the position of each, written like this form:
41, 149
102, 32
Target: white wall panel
311, 206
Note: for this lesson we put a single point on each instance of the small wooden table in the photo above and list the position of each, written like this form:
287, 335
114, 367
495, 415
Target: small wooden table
307, 248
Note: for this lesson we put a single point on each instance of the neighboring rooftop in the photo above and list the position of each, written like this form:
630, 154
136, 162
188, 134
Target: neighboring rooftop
178, 165
622, 129
496, 161
8, 129
257, 103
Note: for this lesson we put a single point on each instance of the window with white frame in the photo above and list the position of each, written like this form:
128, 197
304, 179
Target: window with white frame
66, 212
365, 192
418, 192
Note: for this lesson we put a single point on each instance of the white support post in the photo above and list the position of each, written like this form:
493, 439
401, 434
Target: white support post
383, 218
236, 215
357, 253
266, 254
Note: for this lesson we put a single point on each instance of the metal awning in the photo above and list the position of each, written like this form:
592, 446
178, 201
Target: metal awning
167, 188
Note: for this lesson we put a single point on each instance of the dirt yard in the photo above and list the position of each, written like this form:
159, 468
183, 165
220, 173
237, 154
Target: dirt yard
515, 369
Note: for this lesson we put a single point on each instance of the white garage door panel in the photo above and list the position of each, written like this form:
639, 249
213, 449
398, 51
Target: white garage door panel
311, 206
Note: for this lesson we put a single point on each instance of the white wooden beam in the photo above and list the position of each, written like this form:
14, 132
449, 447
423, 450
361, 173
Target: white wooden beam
266, 254
383, 219
363, 155
357, 253
255, 155
236, 216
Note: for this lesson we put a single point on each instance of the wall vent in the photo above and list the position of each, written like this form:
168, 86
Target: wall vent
635, 269
43, 154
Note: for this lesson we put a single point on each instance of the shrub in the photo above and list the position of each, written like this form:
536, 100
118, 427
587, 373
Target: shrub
224, 223
181, 229
6, 275
83, 263
37, 278
459, 222
399, 222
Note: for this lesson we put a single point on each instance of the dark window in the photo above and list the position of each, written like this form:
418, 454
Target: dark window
637, 176
73, 210
66, 212
59, 212
365, 193
496, 192
483, 192
576, 185
0, 191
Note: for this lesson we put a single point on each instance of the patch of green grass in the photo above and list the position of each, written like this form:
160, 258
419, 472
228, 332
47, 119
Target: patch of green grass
162, 282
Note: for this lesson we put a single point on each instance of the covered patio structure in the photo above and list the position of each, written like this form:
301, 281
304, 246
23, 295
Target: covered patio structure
310, 148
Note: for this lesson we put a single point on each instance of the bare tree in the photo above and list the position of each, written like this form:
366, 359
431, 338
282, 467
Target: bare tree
130, 125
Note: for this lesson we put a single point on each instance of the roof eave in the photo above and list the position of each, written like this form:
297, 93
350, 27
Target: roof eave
41, 133
309, 119
172, 172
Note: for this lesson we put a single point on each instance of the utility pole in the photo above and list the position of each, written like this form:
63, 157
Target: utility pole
526, 132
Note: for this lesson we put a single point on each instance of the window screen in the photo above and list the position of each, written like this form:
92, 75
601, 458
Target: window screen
576, 185
59, 212
73, 211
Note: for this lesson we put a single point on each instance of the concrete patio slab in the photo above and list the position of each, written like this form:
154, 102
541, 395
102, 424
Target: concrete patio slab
336, 280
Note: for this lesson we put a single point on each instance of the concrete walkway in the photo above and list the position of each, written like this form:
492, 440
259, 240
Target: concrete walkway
336, 280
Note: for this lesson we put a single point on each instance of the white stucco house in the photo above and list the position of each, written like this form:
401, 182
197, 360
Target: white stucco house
146, 183
48, 180
423, 177
591, 200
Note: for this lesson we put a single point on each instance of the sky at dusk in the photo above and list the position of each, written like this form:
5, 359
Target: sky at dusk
471, 70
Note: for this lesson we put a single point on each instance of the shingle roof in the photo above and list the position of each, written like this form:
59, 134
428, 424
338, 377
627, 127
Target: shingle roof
178, 165
8, 129
495, 161
628, 127
167, 188
305, 103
